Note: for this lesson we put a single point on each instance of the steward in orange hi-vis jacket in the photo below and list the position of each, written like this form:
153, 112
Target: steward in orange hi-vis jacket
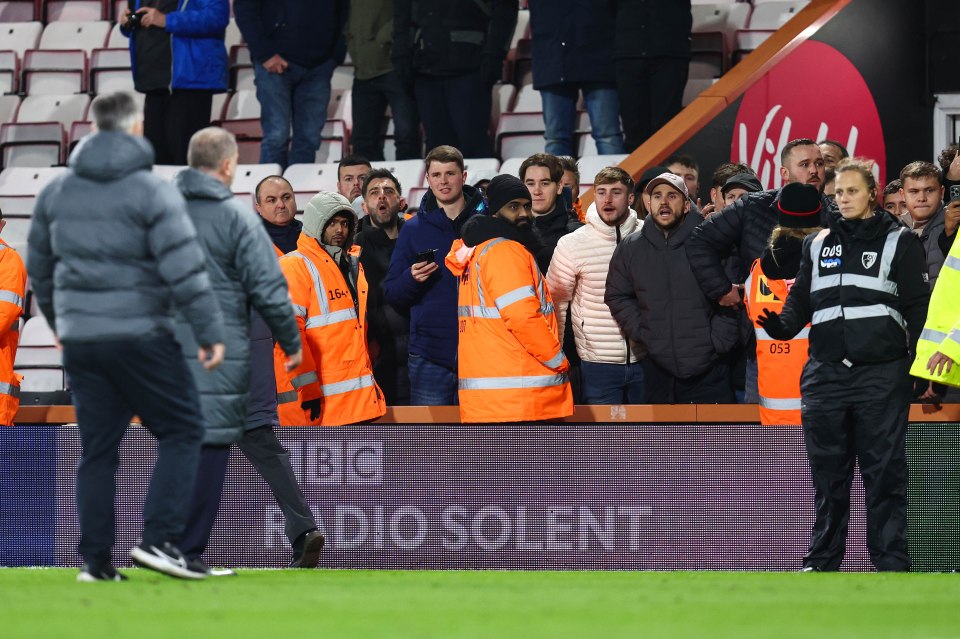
334, 384
13, 278
510, 361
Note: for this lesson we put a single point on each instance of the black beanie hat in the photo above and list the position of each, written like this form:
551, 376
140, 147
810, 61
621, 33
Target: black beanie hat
799, 206
782, 260
504, 188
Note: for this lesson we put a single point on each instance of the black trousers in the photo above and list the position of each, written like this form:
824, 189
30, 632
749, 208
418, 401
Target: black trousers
857, 415
272, 461
651, 93
370, 99
171, 119
112, 382
455, 110
710, 387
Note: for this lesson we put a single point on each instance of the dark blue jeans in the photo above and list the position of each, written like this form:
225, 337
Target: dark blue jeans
298, 97
112, 382
431, 384
560, 115
370, 99
455, 110
611, 383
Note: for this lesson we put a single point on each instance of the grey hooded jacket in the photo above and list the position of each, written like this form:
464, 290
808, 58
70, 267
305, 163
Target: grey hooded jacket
244, 273
116, 244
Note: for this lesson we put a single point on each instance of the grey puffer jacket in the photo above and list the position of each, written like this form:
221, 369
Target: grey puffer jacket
654, 297
244, 272
116, 244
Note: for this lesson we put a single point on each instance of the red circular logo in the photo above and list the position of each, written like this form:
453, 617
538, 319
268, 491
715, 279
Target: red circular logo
817, 93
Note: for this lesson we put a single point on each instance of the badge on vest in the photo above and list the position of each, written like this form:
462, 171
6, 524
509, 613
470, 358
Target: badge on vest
830, 256
868, 259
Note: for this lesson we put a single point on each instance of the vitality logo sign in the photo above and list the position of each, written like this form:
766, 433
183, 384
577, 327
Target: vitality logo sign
816, 93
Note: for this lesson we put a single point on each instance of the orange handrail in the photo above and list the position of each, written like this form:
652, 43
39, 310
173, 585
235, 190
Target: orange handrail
727, 89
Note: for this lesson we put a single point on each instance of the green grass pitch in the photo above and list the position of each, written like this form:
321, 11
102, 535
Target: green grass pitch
340, 604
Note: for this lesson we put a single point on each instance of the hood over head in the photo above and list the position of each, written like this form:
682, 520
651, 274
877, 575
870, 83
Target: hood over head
320, 210
106, 156
197, 185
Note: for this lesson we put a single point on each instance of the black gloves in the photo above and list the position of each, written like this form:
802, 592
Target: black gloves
314, 407
491, 70
773, 325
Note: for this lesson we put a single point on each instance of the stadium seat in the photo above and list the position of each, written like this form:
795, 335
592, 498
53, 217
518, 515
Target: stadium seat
591, 165
502, 102
695, 86
309, 179
19, 188
517, 132
243, 105
528, 100
77, 10
329, 151
54, 72
340, 107
64, 109
167, 171
78, 130
32, 144
520, 144
249, 175
117, 40
511, 166
522, 29
41, 380
9, 104
217, 106
15, 233
110, 71
722, 18
473, 165
37, 346
342, 77
241, 68
9, 72
232, 37
766, 18
19, 10
20, 36
409, 172
75, 35
415, 196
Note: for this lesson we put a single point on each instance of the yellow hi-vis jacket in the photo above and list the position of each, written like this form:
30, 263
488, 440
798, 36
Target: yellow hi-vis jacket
942, 330
336, 365
13, 280
509, 358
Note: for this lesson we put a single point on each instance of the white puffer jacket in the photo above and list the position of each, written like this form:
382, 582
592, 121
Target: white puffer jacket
577, 278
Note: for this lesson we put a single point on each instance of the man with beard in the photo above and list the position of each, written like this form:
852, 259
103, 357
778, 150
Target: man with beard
512, 366
653, 296
743, 229
389, 332
577, 278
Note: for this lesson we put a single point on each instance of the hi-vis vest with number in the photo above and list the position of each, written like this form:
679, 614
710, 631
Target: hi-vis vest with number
779, 363
13, 280
336, 365
941, 333
510, 361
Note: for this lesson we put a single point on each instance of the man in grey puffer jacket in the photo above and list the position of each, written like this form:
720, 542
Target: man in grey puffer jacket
244, 273
111, 251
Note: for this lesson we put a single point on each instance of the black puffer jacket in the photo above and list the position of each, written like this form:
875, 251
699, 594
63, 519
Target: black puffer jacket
653, 295
549, 229
244, 272
389, 328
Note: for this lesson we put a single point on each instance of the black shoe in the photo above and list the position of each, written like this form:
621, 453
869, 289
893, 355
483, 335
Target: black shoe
89, 574
306, 549
166, 559
812, 569
199, 565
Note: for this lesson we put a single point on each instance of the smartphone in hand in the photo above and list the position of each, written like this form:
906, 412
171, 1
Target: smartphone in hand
429, 255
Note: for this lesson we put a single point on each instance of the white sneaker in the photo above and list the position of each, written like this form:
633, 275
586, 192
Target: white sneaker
166, 559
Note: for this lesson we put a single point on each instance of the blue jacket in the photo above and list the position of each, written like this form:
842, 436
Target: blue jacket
305, 32
432, 304
572, 41
196, 31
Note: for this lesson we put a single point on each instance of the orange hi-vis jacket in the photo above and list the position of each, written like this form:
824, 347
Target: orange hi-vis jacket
336, 365
510, 360
779, 363
13, 281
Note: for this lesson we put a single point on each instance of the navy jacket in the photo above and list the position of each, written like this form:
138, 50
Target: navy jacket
197, 30
305, 32
432, 304
571, 41
651, 28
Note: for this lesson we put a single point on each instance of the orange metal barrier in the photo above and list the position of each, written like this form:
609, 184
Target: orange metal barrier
634, 413
728, 88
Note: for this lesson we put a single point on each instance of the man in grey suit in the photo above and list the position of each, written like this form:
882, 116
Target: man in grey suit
112, 250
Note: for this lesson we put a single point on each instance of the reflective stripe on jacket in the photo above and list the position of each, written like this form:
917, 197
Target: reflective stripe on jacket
941, 333
13, 280
511, 362
336, 364
779, 363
